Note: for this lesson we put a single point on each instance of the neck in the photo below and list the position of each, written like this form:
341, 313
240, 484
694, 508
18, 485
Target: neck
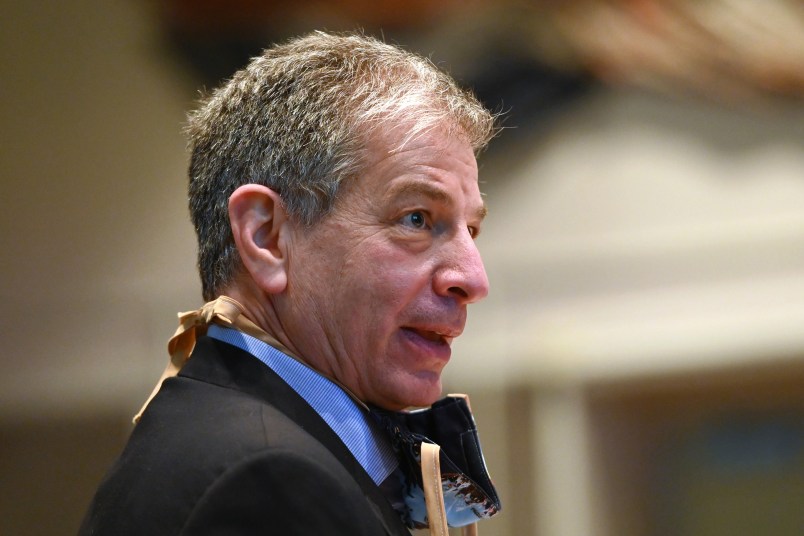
255, 329
259, 309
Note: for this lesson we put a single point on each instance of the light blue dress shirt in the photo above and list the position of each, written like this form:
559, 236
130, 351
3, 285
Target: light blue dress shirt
358, 431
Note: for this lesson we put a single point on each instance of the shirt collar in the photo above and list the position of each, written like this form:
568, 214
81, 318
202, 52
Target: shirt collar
352, 423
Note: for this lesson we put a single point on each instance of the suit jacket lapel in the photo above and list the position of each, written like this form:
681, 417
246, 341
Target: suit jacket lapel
228, 366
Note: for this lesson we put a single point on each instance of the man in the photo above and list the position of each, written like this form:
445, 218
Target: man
334, 191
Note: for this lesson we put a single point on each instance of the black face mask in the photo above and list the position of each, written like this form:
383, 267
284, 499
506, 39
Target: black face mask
469, 494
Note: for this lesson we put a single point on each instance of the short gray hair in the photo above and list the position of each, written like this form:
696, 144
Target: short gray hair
297, 119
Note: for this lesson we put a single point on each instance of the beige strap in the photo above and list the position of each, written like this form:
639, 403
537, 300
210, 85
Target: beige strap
227, 312
433, 494
193, 324
470, 530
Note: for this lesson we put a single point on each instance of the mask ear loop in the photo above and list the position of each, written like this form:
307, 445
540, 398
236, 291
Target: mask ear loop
434, 495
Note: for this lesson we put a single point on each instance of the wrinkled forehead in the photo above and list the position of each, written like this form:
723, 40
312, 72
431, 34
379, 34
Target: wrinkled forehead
435, 163
380, 140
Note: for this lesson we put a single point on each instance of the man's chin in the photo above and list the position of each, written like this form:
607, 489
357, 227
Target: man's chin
421, 393
404, 389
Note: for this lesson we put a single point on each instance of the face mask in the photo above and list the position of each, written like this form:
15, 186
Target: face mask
469, 494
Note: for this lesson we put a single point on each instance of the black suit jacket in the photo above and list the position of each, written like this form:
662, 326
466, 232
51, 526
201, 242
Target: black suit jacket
227, 447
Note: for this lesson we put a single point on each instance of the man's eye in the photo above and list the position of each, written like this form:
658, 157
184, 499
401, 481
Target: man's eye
416, 220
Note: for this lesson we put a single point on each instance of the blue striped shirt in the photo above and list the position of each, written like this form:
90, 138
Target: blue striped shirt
361, 435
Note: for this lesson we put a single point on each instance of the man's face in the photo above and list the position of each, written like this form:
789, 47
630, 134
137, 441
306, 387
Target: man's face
379, 288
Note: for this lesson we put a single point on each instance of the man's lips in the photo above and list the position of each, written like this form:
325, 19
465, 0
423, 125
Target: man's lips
436, 335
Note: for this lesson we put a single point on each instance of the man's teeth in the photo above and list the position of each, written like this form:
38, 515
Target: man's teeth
430, 335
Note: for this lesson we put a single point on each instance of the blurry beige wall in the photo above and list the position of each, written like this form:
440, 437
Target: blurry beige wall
94, 227
98, 253
647, 246
641, 236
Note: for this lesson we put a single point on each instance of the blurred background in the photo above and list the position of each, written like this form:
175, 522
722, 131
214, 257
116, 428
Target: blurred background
638, 368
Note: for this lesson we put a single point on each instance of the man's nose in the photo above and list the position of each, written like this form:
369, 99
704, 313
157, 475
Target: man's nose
462, 275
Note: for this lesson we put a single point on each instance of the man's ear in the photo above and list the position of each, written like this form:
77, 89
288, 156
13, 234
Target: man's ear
260, 228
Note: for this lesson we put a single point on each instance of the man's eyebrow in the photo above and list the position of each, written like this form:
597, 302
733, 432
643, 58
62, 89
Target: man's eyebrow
423, 188
434, 193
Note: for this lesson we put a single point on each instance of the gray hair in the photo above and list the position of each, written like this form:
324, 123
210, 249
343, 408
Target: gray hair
297, 120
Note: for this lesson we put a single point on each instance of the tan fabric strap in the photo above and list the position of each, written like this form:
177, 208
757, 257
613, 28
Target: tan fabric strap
193, 324
433, 494
470, 530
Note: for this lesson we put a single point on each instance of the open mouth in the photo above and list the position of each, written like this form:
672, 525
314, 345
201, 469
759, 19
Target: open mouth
431, 336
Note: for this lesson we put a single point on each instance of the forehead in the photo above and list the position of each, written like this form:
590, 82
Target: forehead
434, 164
